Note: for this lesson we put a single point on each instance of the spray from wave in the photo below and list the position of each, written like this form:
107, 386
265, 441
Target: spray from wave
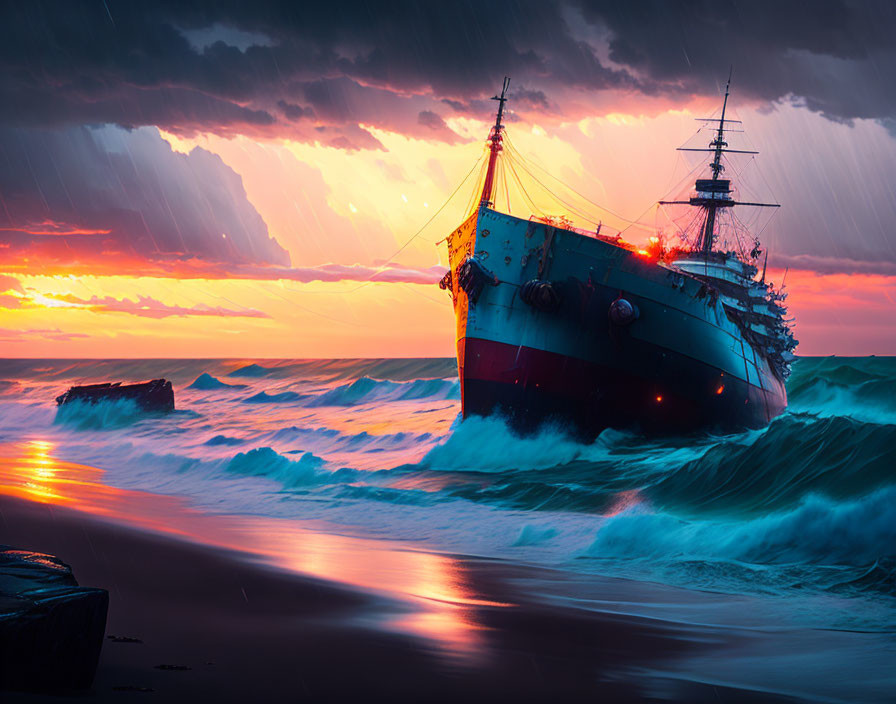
108, 414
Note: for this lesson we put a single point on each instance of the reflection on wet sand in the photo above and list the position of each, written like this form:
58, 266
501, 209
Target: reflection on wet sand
435, 599
440, 596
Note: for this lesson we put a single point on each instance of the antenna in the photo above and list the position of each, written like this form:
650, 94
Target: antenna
495, 138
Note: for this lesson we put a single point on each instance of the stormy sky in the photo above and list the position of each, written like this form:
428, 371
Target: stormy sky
94, 96
270, 66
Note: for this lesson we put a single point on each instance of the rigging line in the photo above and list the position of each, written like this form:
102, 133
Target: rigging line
678, 159
736, 226
638, 224
513, 178
692, 234
420, 293
588, 217
469, 207
427, 223
524, 163
767, 184
563, 183
504, 181
689, 175
674, 189
573, 210
519, 181
577, 211
497, 183
585, 216
204, 290
524, 195
307, 310
767, 223
369, 280
761, 229
476, 192
686, 229
743, 189
738, 222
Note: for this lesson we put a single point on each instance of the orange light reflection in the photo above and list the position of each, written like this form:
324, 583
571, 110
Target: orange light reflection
442, 603
623, 501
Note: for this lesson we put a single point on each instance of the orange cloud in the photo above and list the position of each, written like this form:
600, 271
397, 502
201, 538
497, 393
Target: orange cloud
52, 334
10, 283
148, 307
51, 227
115, 263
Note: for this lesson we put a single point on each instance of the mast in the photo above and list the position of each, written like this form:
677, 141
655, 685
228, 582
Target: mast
714, 193
495, 138
719, 144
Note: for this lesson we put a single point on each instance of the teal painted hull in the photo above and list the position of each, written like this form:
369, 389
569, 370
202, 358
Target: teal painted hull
681, 365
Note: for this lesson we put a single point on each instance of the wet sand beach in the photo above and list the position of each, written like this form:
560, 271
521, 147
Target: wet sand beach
218, 625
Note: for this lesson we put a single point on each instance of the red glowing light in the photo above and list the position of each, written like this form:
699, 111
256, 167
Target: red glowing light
720, 389
659, 399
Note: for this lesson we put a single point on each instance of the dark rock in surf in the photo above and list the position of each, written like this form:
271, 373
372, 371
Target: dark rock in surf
155, 395
51, 630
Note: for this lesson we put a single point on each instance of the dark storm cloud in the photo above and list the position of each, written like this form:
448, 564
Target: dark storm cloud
835, 57
836, 265
141, 63
293, 111
428, 118
110, 196
269, 67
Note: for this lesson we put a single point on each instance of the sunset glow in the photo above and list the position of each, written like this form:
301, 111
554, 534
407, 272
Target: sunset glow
141, 240
338, 245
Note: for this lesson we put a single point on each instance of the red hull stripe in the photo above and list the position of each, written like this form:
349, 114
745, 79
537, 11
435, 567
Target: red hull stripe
552, 373
531, 385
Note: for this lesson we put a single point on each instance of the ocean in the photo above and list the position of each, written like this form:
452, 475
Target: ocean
797, 520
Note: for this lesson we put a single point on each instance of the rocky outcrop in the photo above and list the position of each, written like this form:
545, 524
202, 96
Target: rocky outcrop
51, 630
156, 395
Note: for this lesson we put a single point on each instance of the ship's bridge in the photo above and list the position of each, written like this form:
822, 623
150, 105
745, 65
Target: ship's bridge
713, 191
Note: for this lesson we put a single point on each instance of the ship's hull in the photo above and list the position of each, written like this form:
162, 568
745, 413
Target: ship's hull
681, 365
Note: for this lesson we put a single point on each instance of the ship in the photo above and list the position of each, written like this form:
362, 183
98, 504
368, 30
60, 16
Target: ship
585, 331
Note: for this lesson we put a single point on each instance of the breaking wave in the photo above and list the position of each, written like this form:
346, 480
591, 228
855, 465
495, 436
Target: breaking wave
367, 390
264, 461
102, 415
282, 397
773, 468
863, 388
488, 445
820, 531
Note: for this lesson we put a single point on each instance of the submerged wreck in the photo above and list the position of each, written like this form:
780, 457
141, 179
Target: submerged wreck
156, 395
